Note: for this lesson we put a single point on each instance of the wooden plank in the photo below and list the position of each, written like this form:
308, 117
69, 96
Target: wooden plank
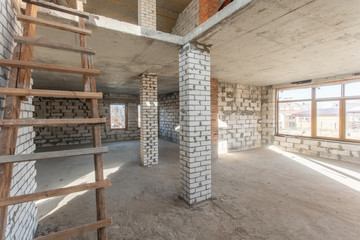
52, 24
51, 155
60, 46
8, 142
48, 67
49, 93
53, 193
59, 8
50, 122
78, 230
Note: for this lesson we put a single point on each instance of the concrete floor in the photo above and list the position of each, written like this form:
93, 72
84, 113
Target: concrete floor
258, 194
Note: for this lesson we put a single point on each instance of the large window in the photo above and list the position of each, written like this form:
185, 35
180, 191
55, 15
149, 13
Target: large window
139, 115
329, 111
117, 116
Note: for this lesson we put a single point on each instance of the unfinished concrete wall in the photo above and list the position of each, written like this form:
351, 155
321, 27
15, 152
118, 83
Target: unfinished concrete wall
187, 20
21, 221
76, 108
169, 117
239, 117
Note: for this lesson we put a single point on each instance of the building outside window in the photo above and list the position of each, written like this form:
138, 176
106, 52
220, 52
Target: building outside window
139, 115
118, 116
329, 111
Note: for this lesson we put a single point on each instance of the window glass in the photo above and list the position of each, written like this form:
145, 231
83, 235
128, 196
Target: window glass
327, 119
352, 89
139, 115
353, 119
332, 91
295, 118
117, 115
295, 94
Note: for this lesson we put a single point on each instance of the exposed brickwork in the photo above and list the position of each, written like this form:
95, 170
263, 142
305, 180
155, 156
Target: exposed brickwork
169, 117
327, 149
149, 119
75, 108
195, 122
147, 13
214, 117
240, 116
187, 20
21, 222
267, 115
207, 8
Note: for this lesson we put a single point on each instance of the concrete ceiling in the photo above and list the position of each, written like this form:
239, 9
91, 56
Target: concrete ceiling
266, 43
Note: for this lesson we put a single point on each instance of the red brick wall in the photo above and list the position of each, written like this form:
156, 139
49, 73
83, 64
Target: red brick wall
207, 8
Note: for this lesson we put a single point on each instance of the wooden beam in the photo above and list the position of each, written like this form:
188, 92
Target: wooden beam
49, 93
78, 230
48, 44
48, 67
52, 24
51, 155
53, 193
50, 122
59, 8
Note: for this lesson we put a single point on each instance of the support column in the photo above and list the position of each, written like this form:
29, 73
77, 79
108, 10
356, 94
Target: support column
214, 118
149, 119
195, 122
147, 13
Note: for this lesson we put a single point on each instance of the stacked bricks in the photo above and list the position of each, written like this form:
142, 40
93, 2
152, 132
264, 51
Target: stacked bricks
239, 116
267, 115
195, 122
342, 151
169, 117
147, 13
187, 20
214, 118
149, 119
207, 8
21, 221
76, 108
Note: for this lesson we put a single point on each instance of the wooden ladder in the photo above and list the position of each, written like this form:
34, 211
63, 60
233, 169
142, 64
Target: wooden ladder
19, 89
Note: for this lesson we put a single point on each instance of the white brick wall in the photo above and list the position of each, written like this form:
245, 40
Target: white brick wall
187, 20
195, 122
169, 117
147, 13
21, 223
149, 119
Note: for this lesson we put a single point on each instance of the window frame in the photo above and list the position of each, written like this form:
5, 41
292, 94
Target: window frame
126, 116
138, 113
342, 110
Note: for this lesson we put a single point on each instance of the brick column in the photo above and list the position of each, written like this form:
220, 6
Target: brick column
214, 118
149, 119
195, 122
207, 8
147, 13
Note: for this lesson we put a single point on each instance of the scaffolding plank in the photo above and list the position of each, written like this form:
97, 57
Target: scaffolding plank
49, 93
50, 122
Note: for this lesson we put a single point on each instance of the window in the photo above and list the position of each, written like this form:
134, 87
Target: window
323, 111
139, 115
117, 116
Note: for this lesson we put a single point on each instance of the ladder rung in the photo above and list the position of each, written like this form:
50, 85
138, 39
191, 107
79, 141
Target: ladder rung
52, 24
48, 44
50, 122
59, 8
53, 193
77, 230
48, 67
52, 155
49, 93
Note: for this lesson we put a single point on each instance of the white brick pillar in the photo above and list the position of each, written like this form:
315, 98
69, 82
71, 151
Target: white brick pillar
195, 122
147, 13
149, 119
